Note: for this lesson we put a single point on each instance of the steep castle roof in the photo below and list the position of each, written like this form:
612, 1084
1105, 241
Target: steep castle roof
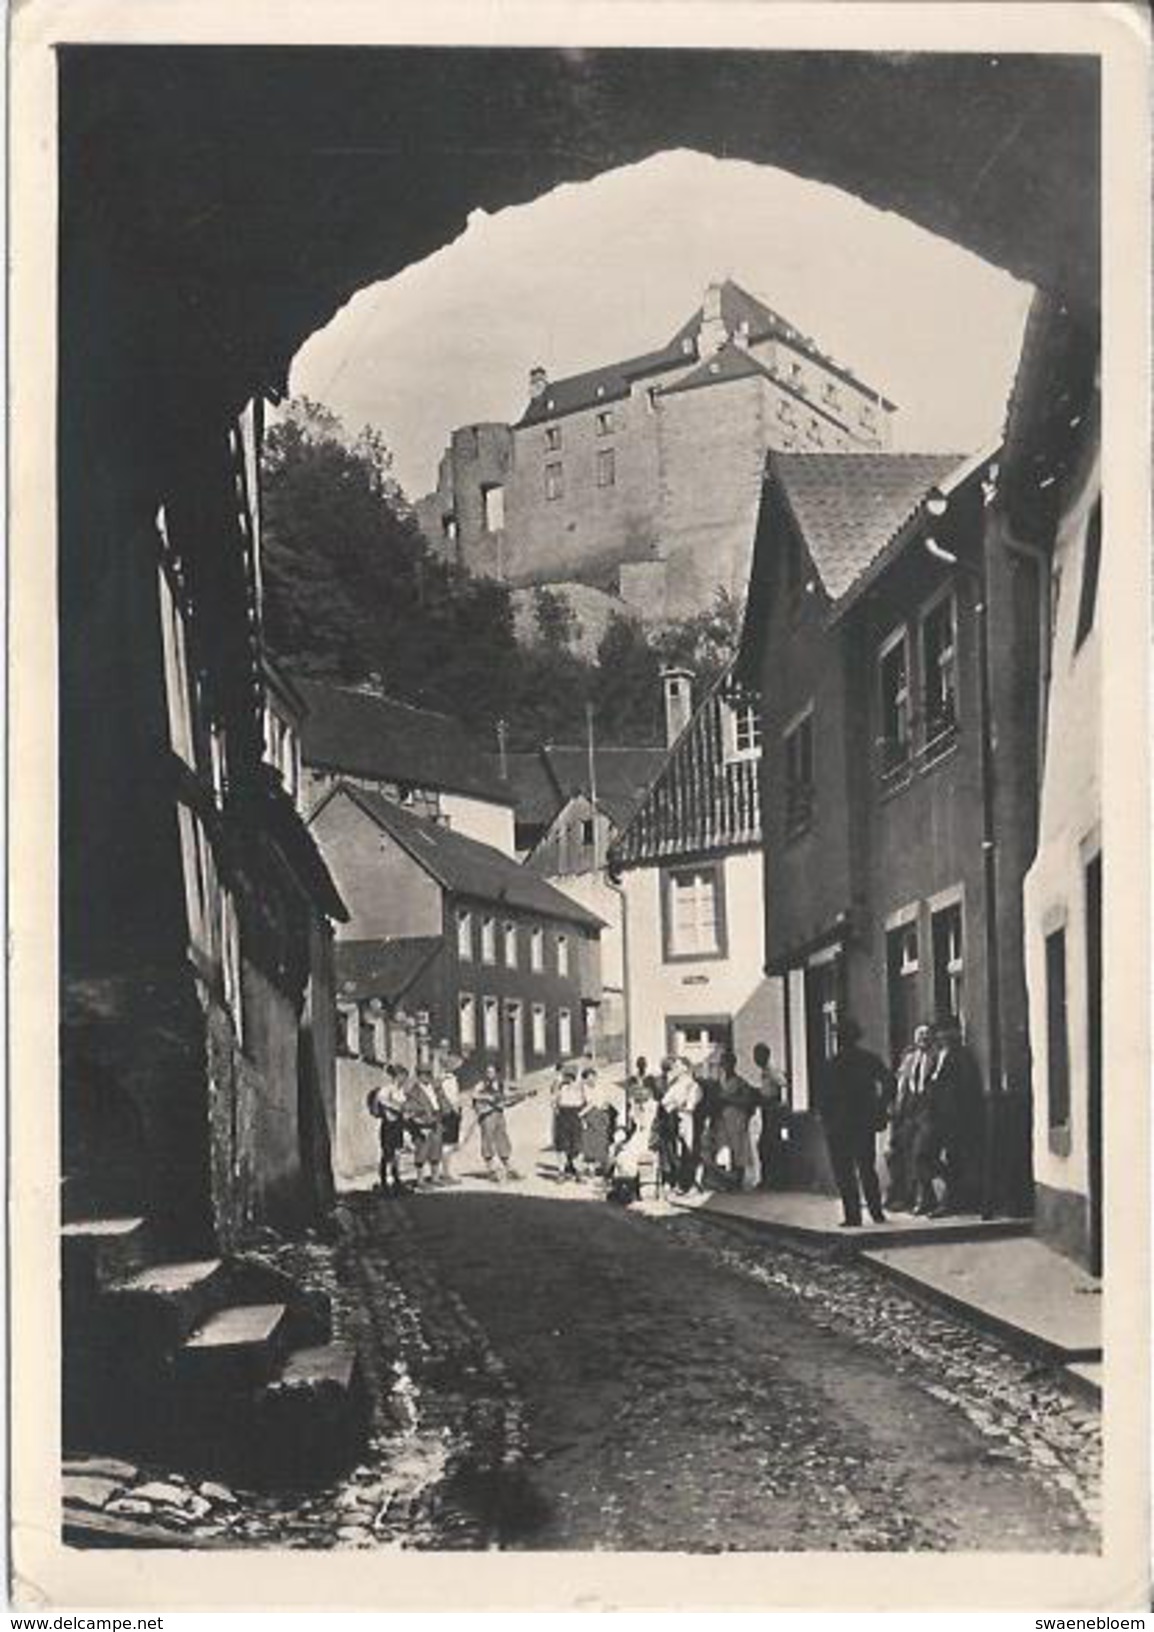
612, 381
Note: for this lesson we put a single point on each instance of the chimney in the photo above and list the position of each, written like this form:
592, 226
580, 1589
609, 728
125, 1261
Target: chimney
678, 688
713, 333
538, 382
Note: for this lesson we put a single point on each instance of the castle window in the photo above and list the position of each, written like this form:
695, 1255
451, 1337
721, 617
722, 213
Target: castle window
554, 481
552, 439
493, 499
605, 426
606, 468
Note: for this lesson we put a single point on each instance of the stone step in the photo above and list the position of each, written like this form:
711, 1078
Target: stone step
314, 1414
163, 1304
98, 1251
236, 1348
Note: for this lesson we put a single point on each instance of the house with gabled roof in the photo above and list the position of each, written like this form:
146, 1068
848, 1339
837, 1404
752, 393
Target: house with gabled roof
690, 867
416, 757
641, 477
895, 655
446, 939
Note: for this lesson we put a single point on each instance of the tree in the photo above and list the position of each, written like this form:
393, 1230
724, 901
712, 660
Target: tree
706, 642
554, 618
627, 689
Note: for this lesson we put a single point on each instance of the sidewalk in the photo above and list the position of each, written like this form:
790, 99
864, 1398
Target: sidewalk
994, 1272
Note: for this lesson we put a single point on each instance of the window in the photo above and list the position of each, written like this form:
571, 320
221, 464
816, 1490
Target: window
449, 528
1091, 565
605, 426
1057, 1032
537, 948
822, 1013
894, 683
949, 963
606, 467
467, 1021
538, 1032
465, 935
564, 1032
902, 965
867, 414
510, 946
492, 1023
831, 394
744, 731
588, 832
552, 439
554, 481
693, 913
562, 954
799, 789
488, 941
493, 499
940, 671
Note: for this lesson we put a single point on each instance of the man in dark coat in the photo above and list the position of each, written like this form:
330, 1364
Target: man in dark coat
854, 1094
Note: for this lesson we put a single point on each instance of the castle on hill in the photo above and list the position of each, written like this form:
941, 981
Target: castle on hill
642, 478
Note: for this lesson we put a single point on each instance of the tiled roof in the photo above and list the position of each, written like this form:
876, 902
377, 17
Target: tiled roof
700, 803
848, 507
609, 383
465, 866
363, 734
729, 362
546, 779
383, 968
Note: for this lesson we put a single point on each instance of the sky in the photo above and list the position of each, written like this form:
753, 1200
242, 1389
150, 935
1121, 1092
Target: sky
601, 270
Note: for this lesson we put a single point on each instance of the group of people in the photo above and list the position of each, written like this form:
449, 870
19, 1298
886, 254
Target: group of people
931, 1108
422, 1111
584, 1119
695, 1125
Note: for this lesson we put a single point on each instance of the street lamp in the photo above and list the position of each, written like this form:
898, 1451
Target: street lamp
936, 504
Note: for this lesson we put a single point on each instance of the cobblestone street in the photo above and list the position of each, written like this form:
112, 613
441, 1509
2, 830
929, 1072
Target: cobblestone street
552, 1372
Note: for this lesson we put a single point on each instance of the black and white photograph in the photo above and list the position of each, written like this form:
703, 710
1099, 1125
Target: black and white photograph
583, 1018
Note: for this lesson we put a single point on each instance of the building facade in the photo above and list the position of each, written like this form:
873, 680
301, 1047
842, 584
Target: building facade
643, 476
690, 867
894, 649
1049, 508
197, 978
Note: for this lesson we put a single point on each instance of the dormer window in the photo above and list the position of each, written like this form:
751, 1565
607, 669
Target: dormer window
744, 732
